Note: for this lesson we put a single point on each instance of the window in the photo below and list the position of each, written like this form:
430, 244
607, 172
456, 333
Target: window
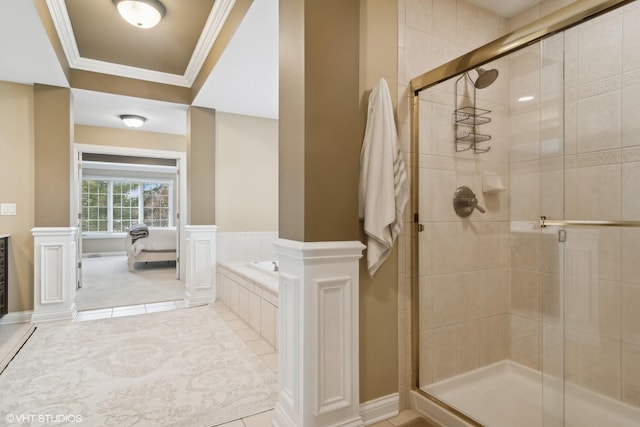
126, 198
156, 204
112, 205
95, 206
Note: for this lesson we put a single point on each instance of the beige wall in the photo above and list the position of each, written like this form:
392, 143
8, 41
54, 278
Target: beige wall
378, 295
53, 132
320, 130
201, 160
327, 67
129, 138
246, 173
17, 173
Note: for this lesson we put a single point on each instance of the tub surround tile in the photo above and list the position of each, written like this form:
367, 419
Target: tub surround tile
248, 334
254, 303
260, 347
254, 311
237, 324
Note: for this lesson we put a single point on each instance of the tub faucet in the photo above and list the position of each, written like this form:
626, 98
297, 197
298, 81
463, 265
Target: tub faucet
275, 265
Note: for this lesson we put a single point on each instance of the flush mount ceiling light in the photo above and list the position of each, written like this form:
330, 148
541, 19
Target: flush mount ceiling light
141, 13
132, 120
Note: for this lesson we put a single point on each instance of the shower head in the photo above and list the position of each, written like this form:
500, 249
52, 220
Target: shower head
485, 77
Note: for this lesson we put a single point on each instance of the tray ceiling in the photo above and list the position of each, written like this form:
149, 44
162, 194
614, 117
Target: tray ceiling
95, 38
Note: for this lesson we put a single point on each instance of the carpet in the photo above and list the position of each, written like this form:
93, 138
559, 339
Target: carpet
107, 282
184, 367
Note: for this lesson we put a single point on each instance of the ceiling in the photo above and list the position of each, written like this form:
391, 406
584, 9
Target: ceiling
244, 79
95, 39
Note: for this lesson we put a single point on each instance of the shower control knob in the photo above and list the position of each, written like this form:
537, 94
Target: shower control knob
464, 202
474, 204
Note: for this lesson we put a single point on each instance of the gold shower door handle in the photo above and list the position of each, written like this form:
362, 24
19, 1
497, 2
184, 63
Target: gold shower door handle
544, 222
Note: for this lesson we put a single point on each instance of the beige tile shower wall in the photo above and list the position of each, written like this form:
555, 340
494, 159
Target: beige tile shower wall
602, 291
464, 263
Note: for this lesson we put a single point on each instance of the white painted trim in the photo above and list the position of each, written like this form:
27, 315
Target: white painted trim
128, 151
215, 22
127, 71
16, 317
380, 409
217, 18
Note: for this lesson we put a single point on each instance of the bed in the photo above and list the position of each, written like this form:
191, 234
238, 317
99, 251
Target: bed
146, 244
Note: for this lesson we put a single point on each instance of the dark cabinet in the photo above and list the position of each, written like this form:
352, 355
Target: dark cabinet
4, 282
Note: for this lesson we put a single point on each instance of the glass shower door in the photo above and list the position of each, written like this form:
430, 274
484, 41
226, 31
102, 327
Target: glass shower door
590, 253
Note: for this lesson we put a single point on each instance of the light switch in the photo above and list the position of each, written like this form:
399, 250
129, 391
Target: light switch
7, 209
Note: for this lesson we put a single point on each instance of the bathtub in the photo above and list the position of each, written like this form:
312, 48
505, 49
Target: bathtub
250, 290
270, 267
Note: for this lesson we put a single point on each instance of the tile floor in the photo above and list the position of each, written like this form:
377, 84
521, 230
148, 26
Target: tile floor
11, 339
13, 336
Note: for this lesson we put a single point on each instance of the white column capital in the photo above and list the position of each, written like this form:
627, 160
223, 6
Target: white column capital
320, 252
53, 231
201, 228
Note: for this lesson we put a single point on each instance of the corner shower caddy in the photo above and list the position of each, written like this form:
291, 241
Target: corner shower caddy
467, 119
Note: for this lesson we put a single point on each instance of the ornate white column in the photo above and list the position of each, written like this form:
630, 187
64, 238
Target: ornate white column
201, 264
318, 334
54, 274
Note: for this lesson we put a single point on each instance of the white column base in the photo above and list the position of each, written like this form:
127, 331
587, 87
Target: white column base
201, 264
54, 274
318, 334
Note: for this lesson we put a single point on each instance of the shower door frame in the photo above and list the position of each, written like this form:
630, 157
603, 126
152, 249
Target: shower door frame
558, 21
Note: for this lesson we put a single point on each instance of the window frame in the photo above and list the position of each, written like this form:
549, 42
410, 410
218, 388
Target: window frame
132, 180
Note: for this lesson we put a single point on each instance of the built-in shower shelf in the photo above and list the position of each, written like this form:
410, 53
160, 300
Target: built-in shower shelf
471, 116
467, 119
472, 137
470, 140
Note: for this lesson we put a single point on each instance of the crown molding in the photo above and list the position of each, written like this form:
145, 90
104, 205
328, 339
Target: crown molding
218, 16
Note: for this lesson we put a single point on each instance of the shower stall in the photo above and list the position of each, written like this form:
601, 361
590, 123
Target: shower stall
526, 237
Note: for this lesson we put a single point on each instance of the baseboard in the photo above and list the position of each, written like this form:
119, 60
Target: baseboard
50, 316
380, 409
16, 317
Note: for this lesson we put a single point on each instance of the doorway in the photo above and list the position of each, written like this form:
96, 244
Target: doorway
116, 188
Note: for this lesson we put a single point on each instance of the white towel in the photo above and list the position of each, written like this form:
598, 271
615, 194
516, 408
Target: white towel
383, 179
